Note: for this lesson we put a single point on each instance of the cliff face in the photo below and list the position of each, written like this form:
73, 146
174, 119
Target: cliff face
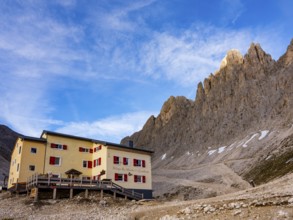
7, 141
250, 93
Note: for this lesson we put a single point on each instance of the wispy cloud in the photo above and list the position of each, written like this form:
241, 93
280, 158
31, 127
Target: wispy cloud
41, 52
109, 129
233, 10
189, 57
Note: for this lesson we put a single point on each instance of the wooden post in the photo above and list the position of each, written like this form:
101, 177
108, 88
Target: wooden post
54, 193
102, 192
36, 195
115, 194
125, 197
71, 193
86, 194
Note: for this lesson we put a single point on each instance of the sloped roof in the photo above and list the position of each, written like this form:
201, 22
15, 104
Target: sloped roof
105, 143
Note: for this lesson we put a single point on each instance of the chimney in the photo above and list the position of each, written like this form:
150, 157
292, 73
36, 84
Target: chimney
130, 143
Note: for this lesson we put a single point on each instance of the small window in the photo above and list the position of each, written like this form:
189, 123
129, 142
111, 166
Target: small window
125, 161
138, 163
19, 150
120, 177
86, 178
32, 167
139, 179
59, 146
116, 160
33, 150
17, 169
87, 164
55, 161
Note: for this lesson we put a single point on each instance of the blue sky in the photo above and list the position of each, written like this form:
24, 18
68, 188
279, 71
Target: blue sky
100, 68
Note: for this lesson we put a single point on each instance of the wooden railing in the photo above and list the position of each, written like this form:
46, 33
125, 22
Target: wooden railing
45, 181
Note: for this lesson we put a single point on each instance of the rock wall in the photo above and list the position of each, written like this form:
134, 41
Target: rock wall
247, 93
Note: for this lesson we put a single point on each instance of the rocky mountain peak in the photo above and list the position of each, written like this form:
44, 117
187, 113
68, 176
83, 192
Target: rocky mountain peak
172, 106
287, 58
233, 57
257, 56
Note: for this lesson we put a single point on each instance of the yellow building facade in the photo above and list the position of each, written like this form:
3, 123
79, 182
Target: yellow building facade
60, 155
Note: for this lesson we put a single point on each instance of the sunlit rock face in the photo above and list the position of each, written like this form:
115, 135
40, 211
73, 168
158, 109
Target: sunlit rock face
247, 93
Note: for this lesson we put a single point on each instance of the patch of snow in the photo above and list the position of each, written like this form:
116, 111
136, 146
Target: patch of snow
188, 153
253, 136
221, 149
263, 134
290, 160
231, 146
163, 156
269, 157
241, 143
211, 152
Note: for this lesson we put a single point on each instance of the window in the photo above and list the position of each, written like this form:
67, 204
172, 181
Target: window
116, 160
86, 178
125, 161
98, 148
139, 179
33, 150
19, 150
59, 146
138, 163
87, 164
121, 177
31, 167
97, 162
97, 177
55, 161
17, 169
86, 150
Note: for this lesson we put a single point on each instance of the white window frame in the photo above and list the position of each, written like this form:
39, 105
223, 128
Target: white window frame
59, 162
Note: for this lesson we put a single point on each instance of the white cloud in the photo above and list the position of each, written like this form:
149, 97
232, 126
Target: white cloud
113, 128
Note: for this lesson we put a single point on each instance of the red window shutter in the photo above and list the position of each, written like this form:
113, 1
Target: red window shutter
53, 145
64, 147
134, 162
124, 160
95, 163
99, 177
100, 147
80, 149
90, 164
52, 160
125, 177
135, 178
143, 179
100, 161
116, 160
95, 149
91, 151
116, 176
143, 163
